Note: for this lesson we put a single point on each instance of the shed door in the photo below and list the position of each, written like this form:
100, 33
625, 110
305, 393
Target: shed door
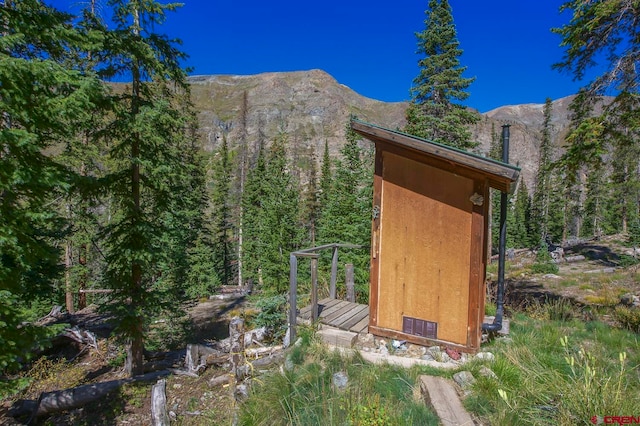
425, 242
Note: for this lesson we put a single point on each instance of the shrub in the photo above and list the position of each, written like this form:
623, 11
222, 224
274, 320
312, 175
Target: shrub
628, 318
559, 310
273, 314
544, 268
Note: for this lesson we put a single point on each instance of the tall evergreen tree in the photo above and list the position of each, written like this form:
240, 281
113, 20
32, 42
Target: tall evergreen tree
605, 32
271, 213
540, 203
346, 217
311, 202
326, 179
495, 153
253, 221
148, 131
43, 102
281, 233
519, 229
221, 199
433, 113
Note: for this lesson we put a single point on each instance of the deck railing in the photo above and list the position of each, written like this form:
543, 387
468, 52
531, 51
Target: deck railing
313, 254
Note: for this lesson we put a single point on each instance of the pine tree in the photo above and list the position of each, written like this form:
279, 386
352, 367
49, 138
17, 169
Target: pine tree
540, 203
346, 217
43, 102
311, 202
433, 113
326, 179
495, 153
253, 221
281, 233
221, 199
521, 218
242, 158
148, 131
604, 33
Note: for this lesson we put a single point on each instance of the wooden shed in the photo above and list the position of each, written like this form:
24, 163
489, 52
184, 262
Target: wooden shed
429, 238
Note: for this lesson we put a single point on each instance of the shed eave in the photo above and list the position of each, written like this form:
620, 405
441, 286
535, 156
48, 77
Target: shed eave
500, 175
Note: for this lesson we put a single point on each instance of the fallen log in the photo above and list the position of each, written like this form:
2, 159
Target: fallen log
68, 399
268, 361
84, 337
196, 357
255, 353
219, 380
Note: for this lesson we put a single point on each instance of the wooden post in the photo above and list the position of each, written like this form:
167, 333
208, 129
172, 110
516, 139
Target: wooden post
236, 334
334, 273
159, 416
293, 284
314, 289
350, 284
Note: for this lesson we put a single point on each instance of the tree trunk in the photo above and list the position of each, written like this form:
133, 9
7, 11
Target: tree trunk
82, 284
67, 277
134, 364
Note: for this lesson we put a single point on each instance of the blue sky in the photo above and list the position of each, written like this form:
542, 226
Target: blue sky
370, 46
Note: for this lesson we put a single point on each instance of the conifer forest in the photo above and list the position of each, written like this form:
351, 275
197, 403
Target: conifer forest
107, 197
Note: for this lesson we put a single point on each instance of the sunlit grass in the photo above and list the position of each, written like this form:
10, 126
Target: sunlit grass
560, 372
304, 395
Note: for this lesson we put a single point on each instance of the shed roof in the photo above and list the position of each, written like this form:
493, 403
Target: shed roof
500, 175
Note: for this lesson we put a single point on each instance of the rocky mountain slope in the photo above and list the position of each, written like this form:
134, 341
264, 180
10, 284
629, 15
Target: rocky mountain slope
311, 107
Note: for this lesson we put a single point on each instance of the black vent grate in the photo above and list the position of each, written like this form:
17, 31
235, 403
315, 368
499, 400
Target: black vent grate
418, 327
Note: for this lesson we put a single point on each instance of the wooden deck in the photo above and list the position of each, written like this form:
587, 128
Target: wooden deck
340, 314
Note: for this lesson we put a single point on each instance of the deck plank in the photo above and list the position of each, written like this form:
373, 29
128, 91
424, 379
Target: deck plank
356, 318
361, 326
335, 308
348, 307
341, 314
322, 305
340, 320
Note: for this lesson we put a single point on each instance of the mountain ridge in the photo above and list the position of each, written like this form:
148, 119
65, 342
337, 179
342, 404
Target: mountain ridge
313, 107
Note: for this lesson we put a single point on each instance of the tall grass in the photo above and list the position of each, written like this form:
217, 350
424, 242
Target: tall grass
560, 372
304, 395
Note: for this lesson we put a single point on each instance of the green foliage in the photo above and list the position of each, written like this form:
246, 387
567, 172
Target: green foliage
221, 214
34, 49
541, 197
544, 263
432, 113
490, 309
603, 142
273, 314
271, 227
346, 216
519, 220
18, 339
201, 280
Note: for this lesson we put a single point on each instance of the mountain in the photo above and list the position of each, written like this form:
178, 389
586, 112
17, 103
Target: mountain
311, 107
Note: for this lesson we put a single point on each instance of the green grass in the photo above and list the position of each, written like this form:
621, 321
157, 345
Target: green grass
559, 372
375, 395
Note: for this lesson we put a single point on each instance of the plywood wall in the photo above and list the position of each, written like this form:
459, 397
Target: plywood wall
424, 244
